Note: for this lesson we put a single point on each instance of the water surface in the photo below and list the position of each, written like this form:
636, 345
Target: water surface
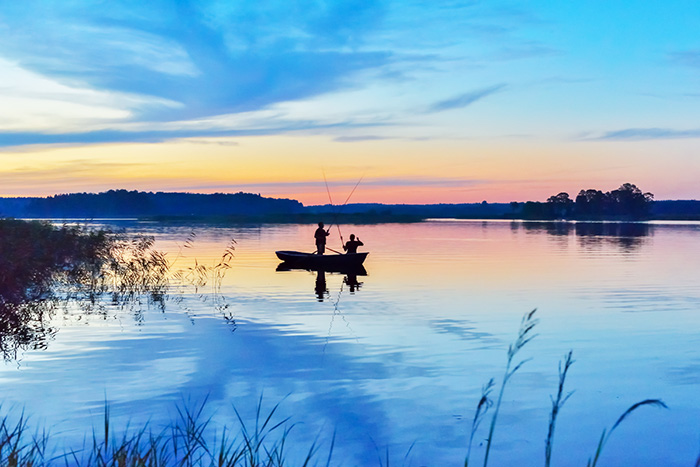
397, 358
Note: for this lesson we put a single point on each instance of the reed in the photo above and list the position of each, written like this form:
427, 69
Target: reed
592, 462
524, 336
557, 404
185, 443
481, 408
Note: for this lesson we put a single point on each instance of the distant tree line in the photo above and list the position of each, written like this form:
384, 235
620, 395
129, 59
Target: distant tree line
123, 203
626, 203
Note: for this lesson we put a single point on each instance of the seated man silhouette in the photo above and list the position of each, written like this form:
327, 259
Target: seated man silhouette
352, 244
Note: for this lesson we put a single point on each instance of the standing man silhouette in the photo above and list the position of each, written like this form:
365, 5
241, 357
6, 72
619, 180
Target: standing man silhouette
320, 236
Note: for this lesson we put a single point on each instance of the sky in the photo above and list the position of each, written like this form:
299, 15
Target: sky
419, 101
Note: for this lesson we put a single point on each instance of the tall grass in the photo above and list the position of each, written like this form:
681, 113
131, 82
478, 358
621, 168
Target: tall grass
557, 404
525, 335
593, 461
190, 441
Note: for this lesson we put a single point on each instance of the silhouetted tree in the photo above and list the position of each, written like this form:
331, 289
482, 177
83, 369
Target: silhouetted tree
590, 203
560, 205
514, 205
119, 203
537, 210
628, 200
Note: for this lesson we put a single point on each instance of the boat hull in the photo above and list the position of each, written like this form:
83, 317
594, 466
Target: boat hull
335, 262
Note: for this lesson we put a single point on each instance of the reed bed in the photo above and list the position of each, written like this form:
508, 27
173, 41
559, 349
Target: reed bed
45, 268
188, 442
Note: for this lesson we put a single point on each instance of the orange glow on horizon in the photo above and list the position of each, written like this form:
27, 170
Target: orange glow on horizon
393, 172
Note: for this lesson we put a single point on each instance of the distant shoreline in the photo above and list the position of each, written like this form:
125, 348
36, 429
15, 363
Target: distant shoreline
348, 219
253, 208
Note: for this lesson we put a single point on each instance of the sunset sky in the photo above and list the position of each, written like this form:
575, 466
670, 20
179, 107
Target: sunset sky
426, 101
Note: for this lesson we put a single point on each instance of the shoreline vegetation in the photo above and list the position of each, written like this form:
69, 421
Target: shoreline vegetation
627, 203
193, 440
44, 267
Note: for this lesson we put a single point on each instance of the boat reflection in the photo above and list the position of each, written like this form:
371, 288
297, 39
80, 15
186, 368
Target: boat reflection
351, 281
320, 287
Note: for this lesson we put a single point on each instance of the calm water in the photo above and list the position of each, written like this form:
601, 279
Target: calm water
400, 360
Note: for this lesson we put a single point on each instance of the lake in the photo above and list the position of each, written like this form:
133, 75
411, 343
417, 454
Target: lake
394, 361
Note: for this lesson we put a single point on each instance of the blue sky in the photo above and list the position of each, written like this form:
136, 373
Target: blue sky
479, 83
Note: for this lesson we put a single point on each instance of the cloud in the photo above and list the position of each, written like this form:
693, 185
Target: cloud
355, 139
464, 100
159, 70
524, 51
638, 134
174, 131
68, 173
337, 184
211, 57
689, 58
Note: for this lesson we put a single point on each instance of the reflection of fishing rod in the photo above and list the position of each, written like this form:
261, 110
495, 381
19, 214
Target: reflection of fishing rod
336, 311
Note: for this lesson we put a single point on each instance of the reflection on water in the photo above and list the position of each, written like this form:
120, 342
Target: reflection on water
397, 363
351, 281
26, 326
321, 289
349, 274
626, 235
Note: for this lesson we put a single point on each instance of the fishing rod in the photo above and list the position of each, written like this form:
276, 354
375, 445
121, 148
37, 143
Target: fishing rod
353, 190
335, 215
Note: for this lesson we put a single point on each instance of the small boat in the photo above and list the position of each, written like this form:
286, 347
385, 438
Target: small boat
328, 262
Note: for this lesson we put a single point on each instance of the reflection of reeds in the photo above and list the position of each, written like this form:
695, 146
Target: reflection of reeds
43, 266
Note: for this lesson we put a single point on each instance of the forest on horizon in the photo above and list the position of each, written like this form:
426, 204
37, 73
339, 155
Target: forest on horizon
627, 202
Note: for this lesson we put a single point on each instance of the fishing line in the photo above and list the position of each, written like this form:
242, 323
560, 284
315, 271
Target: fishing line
335, 214
353, 190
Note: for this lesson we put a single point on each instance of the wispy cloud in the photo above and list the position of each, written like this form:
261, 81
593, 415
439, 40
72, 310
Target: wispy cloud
359, 138
66, 173
524, 51
211, 57
638, 134
463, 100
345, 183
174, 131
688, 58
